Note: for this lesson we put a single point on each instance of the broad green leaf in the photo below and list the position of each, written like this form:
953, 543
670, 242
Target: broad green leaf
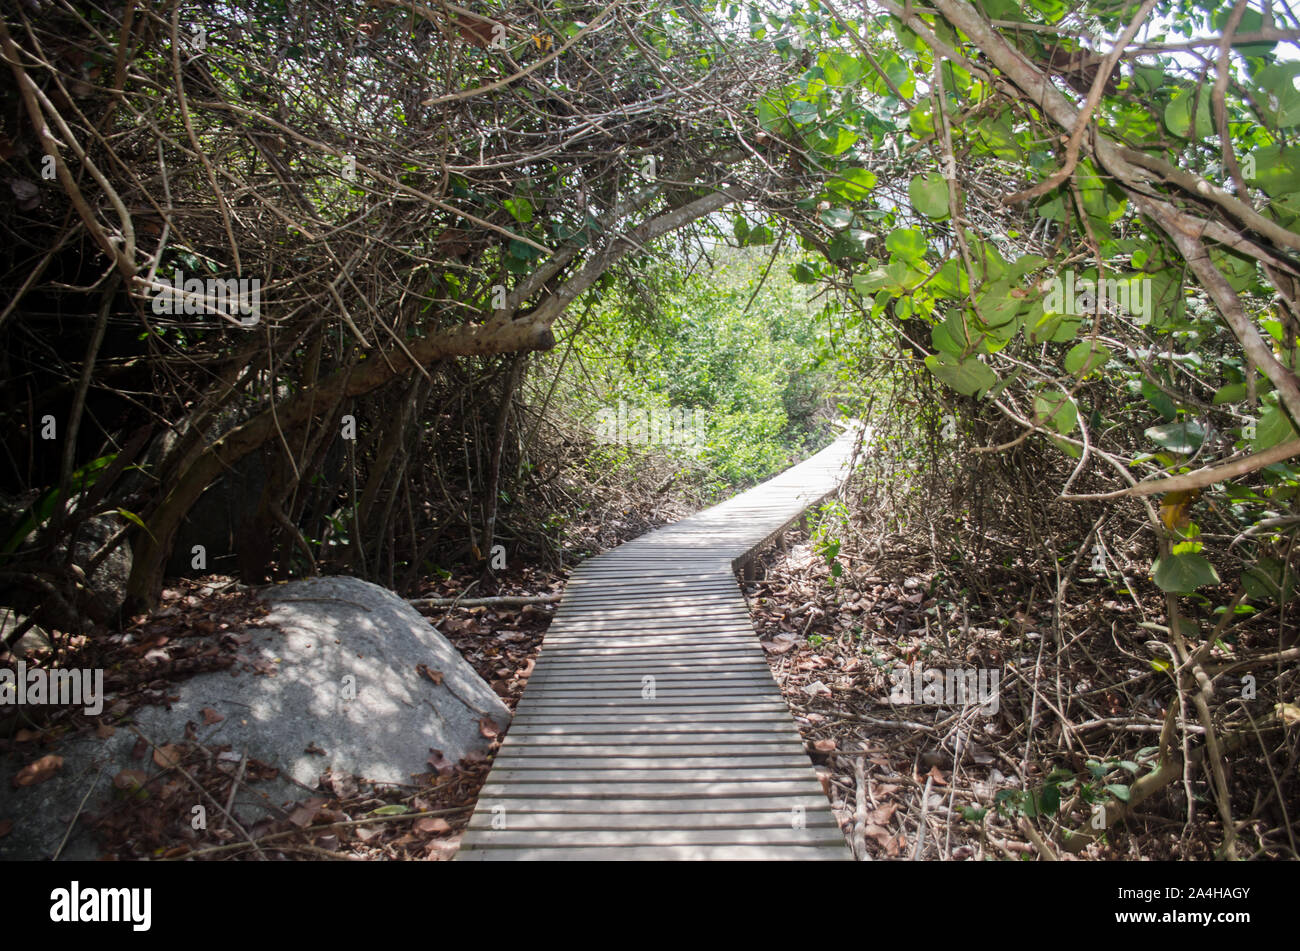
929, 195
1273, 428
837, 218
1178, 114
1183, 573
1057, 411
969, 377
804, 273
852, 184
1231, 393
908, 243
851, 241
521, 209
802, 113
1276, 169
1263, 581
1159, 399
1278, 98
1184, 437
1086, 357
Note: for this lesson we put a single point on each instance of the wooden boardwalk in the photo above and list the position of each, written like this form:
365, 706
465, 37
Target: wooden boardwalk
651, 727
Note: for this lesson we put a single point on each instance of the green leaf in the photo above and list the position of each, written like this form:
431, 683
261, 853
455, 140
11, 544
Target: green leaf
1119, 791
1086, 357
1273, 428
908, 243
929, 195
1159, 400
521, 209
1263, 580
393, 810
852, 184
1178, 114
1185, 437
1183, 573
1056, 411
136, 520
804, 273
850, 242
968, 377
1232, 393
1276, 94
837, 218
802, 113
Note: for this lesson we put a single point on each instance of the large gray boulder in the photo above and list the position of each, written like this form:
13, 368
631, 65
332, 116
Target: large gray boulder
340, 681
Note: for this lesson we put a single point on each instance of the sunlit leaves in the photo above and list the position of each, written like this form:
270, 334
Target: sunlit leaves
970, 377
908, 243
928, 193
1086, 358
1178, 114
1055, 410
852, 184
521, 209
1278, 98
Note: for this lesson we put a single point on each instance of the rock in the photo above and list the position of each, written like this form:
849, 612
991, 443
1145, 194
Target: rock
36, 638
107, 583
338, 673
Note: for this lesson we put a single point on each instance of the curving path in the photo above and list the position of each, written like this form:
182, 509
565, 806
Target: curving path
651, 727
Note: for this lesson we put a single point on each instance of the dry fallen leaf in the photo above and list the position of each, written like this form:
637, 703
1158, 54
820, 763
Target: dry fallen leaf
168, 756
488, 728
883, 813
825, 781
104, 731
6, 826
130, 779
439, 762
432, 824
824, 746
434, 675
211, 716
884, 838
305, 814
38, 771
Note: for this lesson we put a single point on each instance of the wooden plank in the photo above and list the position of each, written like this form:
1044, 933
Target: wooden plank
658, 838
754, 808
711, 767
648, 733
517, 820
711, 749
681, 853
648, 789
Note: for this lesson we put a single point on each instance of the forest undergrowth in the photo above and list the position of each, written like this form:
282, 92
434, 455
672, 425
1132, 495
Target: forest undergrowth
937, 559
